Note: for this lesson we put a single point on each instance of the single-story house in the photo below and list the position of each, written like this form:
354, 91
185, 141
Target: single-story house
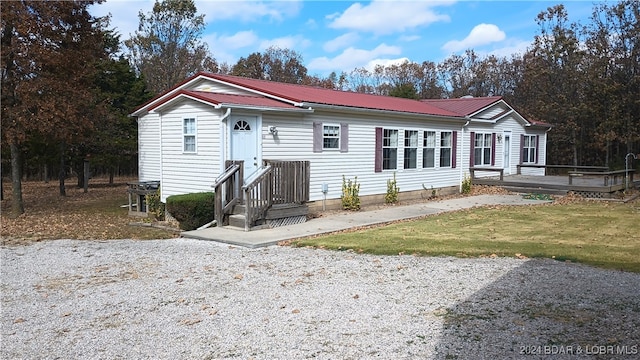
188, 135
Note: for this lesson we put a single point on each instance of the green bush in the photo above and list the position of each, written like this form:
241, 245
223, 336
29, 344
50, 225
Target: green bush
191, 210
350, 191
392, 191
466, 184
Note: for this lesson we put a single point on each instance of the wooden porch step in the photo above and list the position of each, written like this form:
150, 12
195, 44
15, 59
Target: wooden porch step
278, 211
237, 220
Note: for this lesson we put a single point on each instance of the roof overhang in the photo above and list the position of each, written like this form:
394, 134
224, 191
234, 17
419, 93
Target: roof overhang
394, 113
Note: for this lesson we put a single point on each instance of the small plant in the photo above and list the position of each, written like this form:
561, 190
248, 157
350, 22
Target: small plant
392, 191
155, 206
350, 191
466, 184
434, 192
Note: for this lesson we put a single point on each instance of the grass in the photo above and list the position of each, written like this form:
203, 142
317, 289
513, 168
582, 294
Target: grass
603, 234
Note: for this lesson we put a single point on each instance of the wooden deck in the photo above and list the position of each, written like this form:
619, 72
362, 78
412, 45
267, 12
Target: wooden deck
592, 186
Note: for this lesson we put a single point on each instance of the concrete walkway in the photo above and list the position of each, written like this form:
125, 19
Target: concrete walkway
349, 220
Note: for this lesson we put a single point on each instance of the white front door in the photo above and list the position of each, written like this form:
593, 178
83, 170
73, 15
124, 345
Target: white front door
244, 142
507, 152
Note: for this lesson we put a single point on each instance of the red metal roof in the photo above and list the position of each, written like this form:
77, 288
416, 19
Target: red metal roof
248, 100
315, 95
463, 106
228, 99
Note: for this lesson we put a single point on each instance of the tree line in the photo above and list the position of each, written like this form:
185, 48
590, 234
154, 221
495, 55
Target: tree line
69, 82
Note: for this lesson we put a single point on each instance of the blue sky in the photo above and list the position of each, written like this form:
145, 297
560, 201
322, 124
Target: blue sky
344, 35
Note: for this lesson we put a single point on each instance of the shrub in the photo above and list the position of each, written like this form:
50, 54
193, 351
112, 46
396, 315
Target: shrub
191, 210
392, 191
466, 184
350, 191
155, 206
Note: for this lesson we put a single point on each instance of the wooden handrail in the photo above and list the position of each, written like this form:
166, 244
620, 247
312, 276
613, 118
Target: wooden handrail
607, 175
226, 189
258, 196
563, 167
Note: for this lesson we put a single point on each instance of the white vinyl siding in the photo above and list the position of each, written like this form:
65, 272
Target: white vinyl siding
294, 143
149, 148
189, 172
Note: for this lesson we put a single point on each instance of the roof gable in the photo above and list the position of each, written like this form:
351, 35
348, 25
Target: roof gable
465, 106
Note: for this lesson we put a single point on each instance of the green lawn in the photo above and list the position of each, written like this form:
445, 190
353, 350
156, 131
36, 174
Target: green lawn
599, 233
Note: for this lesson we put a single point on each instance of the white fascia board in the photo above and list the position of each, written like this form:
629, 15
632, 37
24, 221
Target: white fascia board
169, 93
254, 91
263, 108
180, 97
384, 112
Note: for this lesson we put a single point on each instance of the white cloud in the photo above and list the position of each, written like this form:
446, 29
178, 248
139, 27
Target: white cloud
387, 17
287, 42
371, 65
481, 34
247, 11
340, 42
124, 14
515, 47
352, 58
238, 40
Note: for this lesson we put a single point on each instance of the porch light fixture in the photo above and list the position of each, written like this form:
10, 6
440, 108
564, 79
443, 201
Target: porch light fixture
499, 138
273, 130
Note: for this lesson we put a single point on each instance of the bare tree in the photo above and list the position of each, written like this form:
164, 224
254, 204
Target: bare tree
167, 48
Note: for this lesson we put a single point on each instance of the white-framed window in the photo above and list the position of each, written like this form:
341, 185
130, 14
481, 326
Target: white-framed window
389, 149
410, 149
482, 149
330, 137
446, 141
429, 149
189, 135
529, 148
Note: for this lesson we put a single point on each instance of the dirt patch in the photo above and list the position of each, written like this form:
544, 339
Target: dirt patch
96, 214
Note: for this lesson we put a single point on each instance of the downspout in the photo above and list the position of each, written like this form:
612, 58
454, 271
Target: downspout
462, 137
161, 157
223, 135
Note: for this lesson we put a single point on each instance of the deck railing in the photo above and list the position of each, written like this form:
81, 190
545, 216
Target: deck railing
258, 196
227, 190
290, 181
560, 169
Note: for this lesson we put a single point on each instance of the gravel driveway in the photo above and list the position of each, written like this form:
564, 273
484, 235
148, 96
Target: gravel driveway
190, 299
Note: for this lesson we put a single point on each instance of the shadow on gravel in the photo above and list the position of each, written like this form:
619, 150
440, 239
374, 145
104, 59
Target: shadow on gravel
547, 309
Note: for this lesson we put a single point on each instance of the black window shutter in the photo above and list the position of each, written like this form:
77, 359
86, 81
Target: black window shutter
454, 149
493, 149
537, 147
472, 150
378, 150
317, 137
344, 138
